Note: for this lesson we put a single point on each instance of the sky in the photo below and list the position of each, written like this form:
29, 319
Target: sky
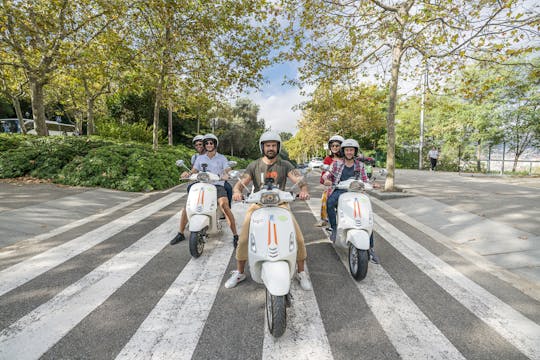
276, 99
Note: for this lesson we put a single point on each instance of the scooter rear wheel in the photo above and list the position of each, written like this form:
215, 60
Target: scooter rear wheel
276, 314
358, 262
196, 243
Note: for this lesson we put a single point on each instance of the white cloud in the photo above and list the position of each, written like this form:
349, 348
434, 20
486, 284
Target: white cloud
277, 109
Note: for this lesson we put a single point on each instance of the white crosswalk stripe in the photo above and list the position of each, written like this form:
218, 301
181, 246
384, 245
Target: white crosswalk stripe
49, 322
516, 328
305, 337
173, 326
27, 270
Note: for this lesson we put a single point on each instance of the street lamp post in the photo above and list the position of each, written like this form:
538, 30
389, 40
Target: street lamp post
422, 107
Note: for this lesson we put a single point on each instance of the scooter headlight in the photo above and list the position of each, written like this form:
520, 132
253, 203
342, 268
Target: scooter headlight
356, 186
269, 198
203, 177
252, 243
292, 242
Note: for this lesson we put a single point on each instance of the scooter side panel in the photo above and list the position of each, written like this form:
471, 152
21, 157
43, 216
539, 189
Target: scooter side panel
198, 222
276, 277
359, 239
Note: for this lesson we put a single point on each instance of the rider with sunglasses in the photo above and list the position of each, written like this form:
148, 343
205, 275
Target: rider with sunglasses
334, 145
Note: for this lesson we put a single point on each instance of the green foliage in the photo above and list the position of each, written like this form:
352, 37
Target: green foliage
138, 131
10, 141
128, 167
41, 157
92, 161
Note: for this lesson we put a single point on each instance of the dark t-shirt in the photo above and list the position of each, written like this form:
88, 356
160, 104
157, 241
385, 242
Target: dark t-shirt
259, 171
348, 172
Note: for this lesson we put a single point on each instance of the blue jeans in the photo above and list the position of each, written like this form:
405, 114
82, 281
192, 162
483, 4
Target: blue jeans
331, 206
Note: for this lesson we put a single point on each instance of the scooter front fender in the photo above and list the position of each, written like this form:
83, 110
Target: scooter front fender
198, 222
276, 276
359, 238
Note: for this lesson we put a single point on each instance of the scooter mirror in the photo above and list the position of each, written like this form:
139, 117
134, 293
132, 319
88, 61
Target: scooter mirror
325, 167
179, 163
234, 174
232, 164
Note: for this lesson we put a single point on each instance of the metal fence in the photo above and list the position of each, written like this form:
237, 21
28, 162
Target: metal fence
501, 166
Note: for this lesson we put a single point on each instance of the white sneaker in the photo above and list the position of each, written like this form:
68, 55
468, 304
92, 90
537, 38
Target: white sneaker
235, 278
305, 283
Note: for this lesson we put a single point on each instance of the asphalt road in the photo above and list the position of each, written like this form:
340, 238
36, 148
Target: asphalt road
89, 273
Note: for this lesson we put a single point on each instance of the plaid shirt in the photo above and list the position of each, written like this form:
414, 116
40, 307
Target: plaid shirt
335, 171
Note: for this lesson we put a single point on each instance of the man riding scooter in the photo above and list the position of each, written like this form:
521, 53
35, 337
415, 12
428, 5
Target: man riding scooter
342, 170
268, 166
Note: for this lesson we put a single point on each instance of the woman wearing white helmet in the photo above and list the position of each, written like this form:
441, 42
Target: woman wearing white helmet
334, 146
342, 170
199, 147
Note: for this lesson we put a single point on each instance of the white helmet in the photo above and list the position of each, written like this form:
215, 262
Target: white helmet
197, 138
350, 143
211, 136
269, 136
335, 138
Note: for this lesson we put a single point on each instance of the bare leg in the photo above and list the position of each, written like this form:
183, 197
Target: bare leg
241, 266
300, 265
223, 203
183, 221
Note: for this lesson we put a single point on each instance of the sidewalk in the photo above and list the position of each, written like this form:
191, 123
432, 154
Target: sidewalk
30, 210
495, 218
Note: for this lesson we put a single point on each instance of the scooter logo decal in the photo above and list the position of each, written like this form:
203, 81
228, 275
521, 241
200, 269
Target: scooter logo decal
272, 226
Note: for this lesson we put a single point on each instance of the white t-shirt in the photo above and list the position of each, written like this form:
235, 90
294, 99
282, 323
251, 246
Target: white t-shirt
434, 154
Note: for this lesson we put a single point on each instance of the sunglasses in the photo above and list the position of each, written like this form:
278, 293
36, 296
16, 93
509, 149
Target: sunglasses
335, 145
206, 142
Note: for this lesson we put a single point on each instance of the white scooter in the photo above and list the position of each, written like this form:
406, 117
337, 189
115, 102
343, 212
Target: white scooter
272, 252
202, 208
355, 224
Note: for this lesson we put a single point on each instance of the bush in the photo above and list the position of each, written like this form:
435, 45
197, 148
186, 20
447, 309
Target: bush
42, 157
93, 161
139, 131
128, 167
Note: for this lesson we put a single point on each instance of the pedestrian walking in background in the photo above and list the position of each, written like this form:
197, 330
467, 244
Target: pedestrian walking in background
433, 155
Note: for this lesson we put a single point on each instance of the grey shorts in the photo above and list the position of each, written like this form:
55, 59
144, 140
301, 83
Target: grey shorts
221, 192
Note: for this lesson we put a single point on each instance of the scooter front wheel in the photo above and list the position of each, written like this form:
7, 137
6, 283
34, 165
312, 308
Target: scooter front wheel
358, 262
196, 243
276, 314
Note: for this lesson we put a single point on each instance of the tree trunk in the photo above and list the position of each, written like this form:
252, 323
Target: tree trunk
157, 105
169, 124
38, 107
390, 120
18, 111
90, 129
478, 154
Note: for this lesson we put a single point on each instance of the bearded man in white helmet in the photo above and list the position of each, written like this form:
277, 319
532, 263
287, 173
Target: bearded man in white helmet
270, 165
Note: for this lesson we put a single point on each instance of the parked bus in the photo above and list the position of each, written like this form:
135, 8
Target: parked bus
55, 128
